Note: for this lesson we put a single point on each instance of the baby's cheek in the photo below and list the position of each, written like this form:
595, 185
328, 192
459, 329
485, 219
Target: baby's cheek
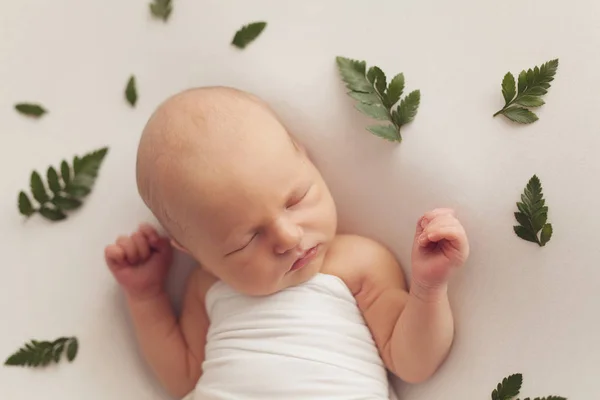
255, 276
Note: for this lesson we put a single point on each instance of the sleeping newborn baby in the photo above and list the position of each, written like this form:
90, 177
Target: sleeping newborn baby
281, 306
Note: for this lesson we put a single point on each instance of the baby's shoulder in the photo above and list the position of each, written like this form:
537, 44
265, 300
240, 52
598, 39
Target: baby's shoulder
355, 259
354, 245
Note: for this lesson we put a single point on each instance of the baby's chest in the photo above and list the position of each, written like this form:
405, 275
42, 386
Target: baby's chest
318, 320
322, 308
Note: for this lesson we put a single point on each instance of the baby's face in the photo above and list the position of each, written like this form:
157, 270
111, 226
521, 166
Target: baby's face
264, 221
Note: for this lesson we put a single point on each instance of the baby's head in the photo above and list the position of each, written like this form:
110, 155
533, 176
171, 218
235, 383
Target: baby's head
234, 190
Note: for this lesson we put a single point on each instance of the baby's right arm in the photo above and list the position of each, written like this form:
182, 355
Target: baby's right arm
173, 349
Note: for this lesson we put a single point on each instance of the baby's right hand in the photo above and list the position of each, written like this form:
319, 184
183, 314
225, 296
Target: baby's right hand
140, 262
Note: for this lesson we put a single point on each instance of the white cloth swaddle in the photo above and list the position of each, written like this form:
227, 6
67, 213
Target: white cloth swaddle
306, 342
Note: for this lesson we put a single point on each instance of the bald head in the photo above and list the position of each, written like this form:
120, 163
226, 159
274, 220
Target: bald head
203, 137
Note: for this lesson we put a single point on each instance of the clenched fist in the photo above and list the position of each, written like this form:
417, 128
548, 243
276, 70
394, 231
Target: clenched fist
140, 262
440, 247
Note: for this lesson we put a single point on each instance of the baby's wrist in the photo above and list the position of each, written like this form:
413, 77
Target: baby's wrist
145, 296
429, 292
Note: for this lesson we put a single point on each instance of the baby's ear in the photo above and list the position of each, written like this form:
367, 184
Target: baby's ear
179, 247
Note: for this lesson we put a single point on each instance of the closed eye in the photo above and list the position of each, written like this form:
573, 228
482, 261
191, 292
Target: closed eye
242, 247
297, 200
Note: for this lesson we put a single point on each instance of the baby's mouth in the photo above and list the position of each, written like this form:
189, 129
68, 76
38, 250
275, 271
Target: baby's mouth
305, 258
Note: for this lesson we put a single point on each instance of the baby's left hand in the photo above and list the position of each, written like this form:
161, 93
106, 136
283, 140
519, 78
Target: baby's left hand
440, 246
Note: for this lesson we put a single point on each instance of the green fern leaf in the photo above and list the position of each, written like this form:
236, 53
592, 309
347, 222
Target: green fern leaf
247, 34
53, 182
376, 99
30, 110
161, 9
533, 214
532, 84
395, 89
25, 206
131, 91
65, 195
42, 353
508, 388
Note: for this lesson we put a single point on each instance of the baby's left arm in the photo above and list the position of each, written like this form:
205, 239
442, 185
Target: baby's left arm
413, 330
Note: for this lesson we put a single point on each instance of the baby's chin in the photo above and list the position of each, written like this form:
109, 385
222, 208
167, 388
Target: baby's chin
290, 279
304, 274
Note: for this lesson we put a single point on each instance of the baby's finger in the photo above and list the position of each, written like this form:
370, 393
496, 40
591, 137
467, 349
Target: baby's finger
436, 213
149, 233
142, 245
441, 221
420, 227
131, 253
115, 257
450, 233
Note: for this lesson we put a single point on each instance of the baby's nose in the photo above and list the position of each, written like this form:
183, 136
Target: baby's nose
287, 236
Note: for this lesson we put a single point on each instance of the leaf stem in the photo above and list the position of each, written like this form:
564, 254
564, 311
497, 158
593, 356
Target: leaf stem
506, 106
517, 97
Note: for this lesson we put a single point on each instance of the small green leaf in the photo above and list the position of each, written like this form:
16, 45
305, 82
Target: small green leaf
77, 191
25, 206
373, 111
72, 349
529, 76
41, 353
508, 388
522, 81
508, 87
536, 91
247, 34
525, 234
377, 78
523, 208
161, 9
520, 115
533, 214
52, 214
84, 181
529, 101
38, 189
533, 83
387, 132
366, 98
538, 220
53, 183
376, 100
395, 89
57, 352
65, 172
407, 110
546, 234
353, 74
31, 110
86, 168
523, 219
131, 91
66, 203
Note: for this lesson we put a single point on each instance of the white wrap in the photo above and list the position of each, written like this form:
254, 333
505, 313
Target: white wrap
306, 342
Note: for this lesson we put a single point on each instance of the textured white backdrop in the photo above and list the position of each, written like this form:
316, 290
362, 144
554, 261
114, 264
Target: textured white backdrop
518, 308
